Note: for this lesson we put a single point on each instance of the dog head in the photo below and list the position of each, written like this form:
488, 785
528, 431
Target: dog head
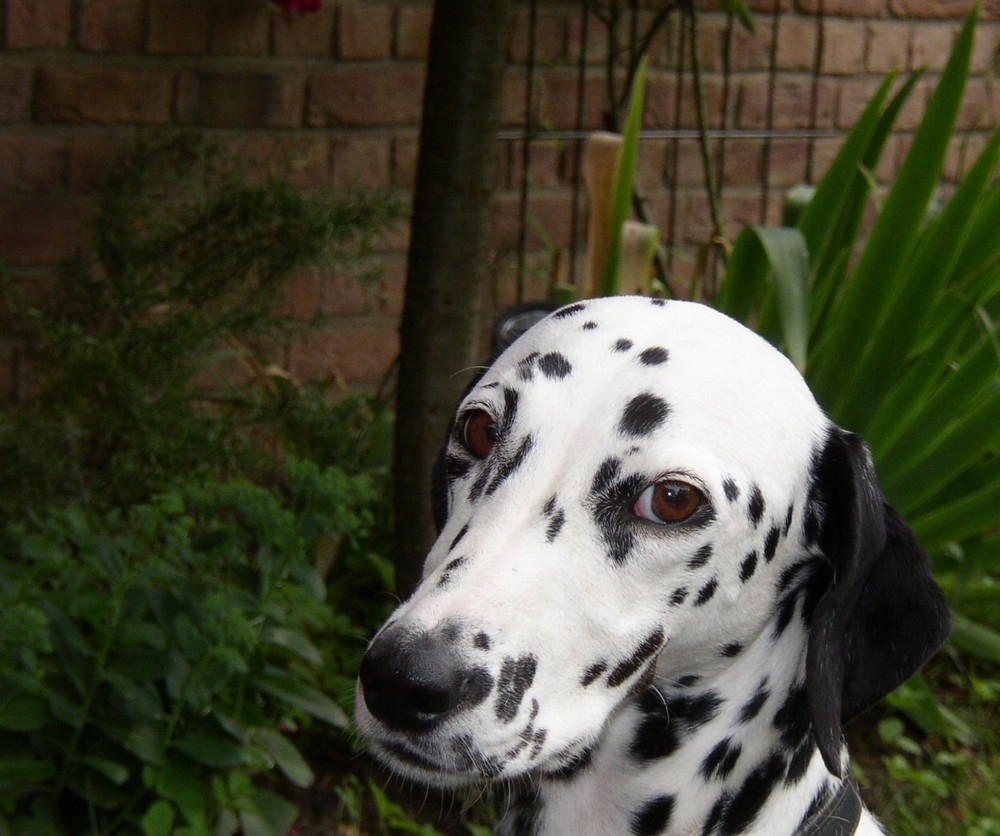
637, 485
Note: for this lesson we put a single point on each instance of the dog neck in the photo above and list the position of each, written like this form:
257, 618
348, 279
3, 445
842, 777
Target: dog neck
721, 749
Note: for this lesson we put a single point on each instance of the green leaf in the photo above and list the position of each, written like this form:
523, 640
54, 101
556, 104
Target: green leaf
117, 773
892, 239
159, 819
624, 180
976, 639
967, 515
302, 696
23, 714
294, 642
286, 756
211, 749
19, 772
274, 815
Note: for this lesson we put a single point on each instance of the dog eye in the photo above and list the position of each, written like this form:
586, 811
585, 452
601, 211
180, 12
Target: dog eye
480, 433
669, 501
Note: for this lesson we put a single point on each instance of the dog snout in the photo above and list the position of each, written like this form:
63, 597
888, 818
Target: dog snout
411, 680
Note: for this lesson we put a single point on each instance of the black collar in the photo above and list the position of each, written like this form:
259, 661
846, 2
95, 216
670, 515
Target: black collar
839, 816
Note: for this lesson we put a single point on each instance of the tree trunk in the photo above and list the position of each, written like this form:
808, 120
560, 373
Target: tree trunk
448, 253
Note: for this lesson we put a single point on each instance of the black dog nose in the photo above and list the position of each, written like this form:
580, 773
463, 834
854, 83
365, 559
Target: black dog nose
413, 680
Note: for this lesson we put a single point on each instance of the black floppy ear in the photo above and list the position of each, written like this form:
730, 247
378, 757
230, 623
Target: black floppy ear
883, 614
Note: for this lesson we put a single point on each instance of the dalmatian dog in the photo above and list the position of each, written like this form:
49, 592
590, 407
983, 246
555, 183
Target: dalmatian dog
663, 582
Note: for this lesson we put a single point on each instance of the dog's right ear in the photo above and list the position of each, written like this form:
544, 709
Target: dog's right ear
882, 614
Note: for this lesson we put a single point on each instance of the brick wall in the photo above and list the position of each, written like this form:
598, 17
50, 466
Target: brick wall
333, 99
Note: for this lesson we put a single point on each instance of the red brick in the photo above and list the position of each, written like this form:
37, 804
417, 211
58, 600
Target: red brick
962, 153
404, 161
379, 96
354, 350
233, 100
791, 104
15, 93
559, 101
979, 108
787, 163
32, 24
650, 166
931, 45
179, 27
513, 89
413, 32
661, 100
550, 34
103, 95
712, 91
32, 163
684, 164
365, 31
548, 220
596, 45
362, 161
797, 44
44, 231
310, 34
847, 8
240, 29
843, 47
91, 160
986, 50
854, 95
111, 25
824, 151
380, 292
301, 299
743, 162
304, 160
751, 50
888, 46
935, 9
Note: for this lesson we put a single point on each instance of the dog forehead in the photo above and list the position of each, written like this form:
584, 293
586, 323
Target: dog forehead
717, 379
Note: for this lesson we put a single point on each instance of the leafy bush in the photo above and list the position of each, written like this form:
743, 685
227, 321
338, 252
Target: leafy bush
160, 658
133, 355
187, 552
901, 342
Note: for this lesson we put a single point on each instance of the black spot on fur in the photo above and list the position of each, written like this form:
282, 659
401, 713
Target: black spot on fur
526, 367
554, 365
755, 509
609, 493
653, 817
590, 325
688, 680
732, 490
667, 722
622, 345
569, 310
657, 302
573, 764
649, 646
643, 414
771, 543
516, 676
450, 633
721, 760
458, 537
654, 356
732, 649
752, 707
752, 796
679, 597
555, 526
701, 557
471, 758
706, 593
748, 567
449, 570
788, 520
792, 719
593, 673
455, 467
799, 762
507, 467
482, 641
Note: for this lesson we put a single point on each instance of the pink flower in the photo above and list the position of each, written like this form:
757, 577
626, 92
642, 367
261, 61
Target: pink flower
299, 6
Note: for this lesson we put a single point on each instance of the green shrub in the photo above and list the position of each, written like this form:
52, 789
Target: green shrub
159, 659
